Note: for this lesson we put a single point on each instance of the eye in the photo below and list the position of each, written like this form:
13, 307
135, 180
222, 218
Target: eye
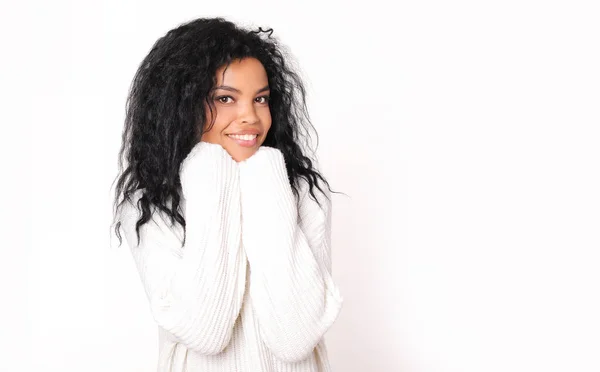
220, 98
266, 99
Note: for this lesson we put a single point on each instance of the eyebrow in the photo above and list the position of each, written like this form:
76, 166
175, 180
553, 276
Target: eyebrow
232, 89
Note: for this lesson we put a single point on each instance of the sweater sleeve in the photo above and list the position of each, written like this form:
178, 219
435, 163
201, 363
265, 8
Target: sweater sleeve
196, 292
288, 249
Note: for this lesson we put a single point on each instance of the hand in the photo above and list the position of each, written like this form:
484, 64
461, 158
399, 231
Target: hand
267, 168
203, 154
202, 146
265, 152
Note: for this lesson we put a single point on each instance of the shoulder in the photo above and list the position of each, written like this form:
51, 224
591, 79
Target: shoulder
157, 230
323, 195
317, 206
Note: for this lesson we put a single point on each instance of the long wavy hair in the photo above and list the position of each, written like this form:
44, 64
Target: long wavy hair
165, 115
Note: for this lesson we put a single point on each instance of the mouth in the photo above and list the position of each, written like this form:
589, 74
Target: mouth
245, 140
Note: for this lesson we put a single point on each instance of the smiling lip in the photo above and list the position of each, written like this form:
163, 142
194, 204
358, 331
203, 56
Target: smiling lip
246, 131
245, 143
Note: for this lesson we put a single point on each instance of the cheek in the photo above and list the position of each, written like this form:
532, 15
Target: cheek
214, 135
220, 119
219, 115
265, 118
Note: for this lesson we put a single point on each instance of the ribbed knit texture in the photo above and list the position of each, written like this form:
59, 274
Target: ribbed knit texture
251, 290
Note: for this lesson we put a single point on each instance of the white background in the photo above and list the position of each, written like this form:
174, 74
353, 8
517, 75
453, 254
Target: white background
465, 134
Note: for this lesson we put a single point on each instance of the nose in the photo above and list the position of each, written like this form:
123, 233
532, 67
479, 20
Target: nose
247, 114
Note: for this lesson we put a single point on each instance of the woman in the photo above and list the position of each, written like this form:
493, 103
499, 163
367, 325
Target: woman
223, 213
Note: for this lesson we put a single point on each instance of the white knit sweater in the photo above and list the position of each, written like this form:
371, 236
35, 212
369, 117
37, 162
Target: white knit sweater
251, 290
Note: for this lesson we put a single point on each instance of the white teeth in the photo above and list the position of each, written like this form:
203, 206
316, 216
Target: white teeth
245, 137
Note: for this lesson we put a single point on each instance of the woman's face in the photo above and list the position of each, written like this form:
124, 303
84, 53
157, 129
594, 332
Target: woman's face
241, 99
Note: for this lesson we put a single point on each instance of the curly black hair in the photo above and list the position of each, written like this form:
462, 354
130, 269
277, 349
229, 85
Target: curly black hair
165, 115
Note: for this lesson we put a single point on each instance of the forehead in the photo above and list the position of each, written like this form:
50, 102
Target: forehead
240, 73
